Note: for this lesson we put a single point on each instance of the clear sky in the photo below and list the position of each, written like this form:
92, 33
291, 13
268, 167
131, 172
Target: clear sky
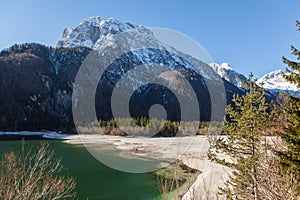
251, 35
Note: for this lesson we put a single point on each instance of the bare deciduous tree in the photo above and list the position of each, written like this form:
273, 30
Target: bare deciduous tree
34, 175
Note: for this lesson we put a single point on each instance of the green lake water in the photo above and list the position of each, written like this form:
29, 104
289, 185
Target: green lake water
94, 179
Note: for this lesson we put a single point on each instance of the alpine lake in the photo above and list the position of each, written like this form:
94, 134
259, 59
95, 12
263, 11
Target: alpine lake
94, 179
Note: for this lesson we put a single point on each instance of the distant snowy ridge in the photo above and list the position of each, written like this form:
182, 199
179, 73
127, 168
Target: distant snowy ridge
275, 83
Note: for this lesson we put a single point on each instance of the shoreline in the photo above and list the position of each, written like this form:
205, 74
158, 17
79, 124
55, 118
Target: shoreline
190, 150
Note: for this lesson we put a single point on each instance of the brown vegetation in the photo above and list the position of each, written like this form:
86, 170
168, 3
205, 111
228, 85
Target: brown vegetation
34, 175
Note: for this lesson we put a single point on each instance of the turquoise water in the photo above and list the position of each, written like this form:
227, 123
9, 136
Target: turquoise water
94, 179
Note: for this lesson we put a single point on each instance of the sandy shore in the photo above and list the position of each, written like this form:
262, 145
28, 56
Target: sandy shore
190, 150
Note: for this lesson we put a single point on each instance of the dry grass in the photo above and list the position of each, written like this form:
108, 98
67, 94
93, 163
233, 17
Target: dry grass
274, 184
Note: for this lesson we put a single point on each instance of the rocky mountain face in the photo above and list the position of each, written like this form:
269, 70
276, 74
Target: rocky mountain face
199, 75
37, 82
36, 86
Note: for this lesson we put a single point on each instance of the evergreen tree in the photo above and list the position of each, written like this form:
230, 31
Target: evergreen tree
241, 149
290, 158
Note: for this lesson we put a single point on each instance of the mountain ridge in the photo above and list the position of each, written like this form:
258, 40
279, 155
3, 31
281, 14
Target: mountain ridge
48, 103
113, 26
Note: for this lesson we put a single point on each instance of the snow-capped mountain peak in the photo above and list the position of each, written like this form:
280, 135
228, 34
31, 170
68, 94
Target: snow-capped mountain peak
92, 31
275, 75
100, 33
226, 66
275, 80
229, 74
275, 83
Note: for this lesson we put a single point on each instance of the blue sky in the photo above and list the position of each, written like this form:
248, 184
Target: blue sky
251, 35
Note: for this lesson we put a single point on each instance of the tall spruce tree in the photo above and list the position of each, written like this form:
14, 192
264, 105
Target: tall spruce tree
241, 149
290, 158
